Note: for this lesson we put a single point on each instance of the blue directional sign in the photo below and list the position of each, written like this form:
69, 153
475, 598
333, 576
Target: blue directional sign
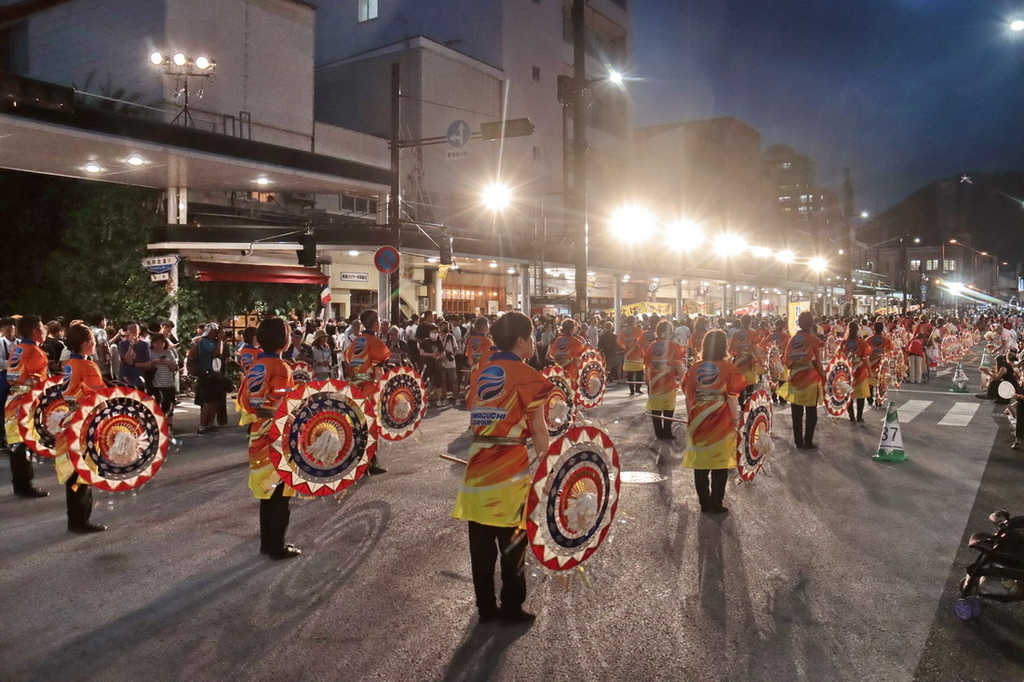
458, 134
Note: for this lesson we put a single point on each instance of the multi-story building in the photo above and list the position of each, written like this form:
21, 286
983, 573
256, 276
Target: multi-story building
707, 171
473, 62
803, 206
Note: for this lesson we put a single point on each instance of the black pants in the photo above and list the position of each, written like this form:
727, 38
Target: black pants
21, 468
662, 427
1019, 433
800, 436
79, 502
636, 382
485, 543
860, 409
165, 398
274, 517
710, 497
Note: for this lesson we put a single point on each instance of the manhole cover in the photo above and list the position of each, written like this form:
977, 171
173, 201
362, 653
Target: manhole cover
641, 477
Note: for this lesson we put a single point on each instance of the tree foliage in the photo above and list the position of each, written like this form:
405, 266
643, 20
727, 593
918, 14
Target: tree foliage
99, 235
97, 269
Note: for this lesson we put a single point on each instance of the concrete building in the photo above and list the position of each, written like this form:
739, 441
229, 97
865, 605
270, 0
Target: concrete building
464, 60
803, 205
708, 171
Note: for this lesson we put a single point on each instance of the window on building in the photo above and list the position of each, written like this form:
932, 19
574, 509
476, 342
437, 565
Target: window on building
915, 265
931, 264
870, 265
949, 265
367, 10
785, 198
536, 73
786, 165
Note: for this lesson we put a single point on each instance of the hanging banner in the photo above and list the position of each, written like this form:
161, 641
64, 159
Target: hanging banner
794, 310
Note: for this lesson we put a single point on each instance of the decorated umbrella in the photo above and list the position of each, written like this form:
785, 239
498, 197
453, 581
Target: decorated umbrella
773, 366
886, 369
400, 402
323, 436
838, 385
593, 380
573, 498
41, 416
302, 372
117, 438
755, 435
560, 406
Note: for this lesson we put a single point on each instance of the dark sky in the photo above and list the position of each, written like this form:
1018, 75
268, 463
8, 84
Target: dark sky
901, 91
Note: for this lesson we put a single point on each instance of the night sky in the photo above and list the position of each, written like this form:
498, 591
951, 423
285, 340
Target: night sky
901, 91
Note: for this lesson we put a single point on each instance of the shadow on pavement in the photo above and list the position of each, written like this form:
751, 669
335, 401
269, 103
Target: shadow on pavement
480, 655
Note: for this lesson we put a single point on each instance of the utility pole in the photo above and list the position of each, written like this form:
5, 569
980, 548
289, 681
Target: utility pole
579, 155
394, 203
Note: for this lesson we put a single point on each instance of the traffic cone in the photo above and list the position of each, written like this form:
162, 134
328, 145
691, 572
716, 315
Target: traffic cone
959, 379
890, 445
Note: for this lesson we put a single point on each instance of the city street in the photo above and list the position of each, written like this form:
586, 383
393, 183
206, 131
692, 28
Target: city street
833, 567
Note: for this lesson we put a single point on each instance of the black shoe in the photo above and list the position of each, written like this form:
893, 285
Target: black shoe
286, 552
860, 419
520, 617
30, 491
376, 469
810, 446
490, 616
86, 528
204, 430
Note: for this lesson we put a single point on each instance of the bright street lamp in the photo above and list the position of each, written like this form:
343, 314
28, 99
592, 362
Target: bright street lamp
497, 196
614, 77
633, 224
818, 264
785, 256
684, 235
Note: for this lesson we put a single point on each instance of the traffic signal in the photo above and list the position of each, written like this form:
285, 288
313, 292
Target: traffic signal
307, 255
446, 249
513, 127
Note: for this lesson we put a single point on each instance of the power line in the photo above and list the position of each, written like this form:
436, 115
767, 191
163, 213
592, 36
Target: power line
448, 106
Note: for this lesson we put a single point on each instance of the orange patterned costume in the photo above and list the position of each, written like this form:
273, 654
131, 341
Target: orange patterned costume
504, 394
712, 435
269, 380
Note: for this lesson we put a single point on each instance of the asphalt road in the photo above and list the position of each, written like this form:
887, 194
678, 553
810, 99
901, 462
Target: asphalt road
834, 567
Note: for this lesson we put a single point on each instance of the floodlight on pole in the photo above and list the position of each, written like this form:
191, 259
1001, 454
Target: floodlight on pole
181, 67
818, 264
497, 196
785, 256
684, 235
633, 223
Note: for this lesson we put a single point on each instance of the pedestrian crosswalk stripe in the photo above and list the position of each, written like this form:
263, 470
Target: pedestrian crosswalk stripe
960, 414
911, 409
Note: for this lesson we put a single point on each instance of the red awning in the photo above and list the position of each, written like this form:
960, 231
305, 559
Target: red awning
274, 274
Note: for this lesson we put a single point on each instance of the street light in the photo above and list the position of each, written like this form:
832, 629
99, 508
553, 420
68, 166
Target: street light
497, 196
633, 224
181, 67
684, 235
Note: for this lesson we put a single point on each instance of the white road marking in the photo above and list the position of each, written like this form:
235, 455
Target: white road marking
960, 414
911, 409
944, 372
